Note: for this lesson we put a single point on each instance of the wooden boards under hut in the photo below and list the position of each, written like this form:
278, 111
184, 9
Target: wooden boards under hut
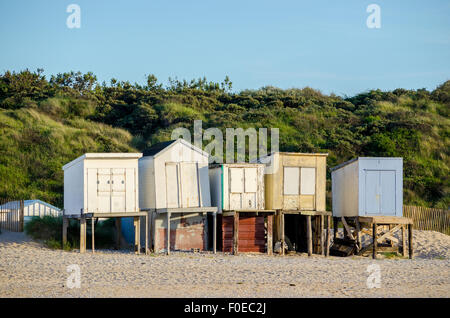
381, 230
244, 225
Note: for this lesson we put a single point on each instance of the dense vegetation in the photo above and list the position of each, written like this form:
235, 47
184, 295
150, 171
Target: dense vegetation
45, 123
49, 230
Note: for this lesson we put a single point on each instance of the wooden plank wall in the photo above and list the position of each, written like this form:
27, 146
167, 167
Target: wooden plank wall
11, 215
251, 237
428, 219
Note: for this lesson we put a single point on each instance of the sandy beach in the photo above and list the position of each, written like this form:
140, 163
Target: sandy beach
28, 269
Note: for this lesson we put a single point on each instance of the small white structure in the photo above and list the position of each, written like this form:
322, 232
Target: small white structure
174, 174
237, 186
173, 179
368, 187
32, 208
39, 208
102, 183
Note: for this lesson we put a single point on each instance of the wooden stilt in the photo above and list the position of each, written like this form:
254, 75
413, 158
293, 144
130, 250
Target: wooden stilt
137, 237
309, 234
146, 234
375, 241
215, 232
282, 233
270, 234
82, 234
64, 231
151, 230
236, 233
168, 233
410, 240
93, 235
118, 232
321, 235
404, 248
327, 242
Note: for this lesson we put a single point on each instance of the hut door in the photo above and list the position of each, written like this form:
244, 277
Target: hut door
172, 184
236, 183
243, 188
118, 192
250, 188
190, 193
380, 192
103, 190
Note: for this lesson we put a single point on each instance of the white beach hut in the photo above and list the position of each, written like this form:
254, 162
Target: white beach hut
368, 186
173, 179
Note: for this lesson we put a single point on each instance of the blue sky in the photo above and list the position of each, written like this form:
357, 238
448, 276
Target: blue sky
322, 44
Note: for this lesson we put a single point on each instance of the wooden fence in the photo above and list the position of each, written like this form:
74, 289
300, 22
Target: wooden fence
428, 219
11, 215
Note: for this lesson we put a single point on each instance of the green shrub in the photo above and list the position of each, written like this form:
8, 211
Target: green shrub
49, 229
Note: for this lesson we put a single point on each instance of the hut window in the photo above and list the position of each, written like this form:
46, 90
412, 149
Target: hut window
291, 180
308, 181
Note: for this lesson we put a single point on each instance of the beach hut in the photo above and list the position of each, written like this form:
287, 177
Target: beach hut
34, 207
368, 192
237, 189
368, 186
101, 185
295, 186
173, 180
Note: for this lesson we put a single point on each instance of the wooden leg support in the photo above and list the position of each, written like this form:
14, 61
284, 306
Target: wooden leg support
236, 233
215, 232
168, 233
410, 240
146, 235
309, 234
322, 252
137, 234
404, 248
64, 231
93, 235
270, 234
375, 241
283, 240
327, 242
82, 234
